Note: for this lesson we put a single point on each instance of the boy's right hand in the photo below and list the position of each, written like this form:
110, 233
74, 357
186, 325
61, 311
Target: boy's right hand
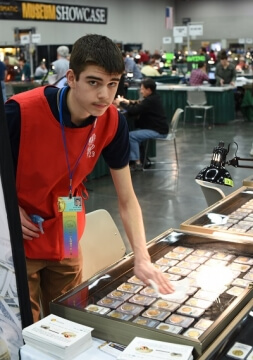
29, 229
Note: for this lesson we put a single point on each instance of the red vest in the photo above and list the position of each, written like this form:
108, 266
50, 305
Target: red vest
42, 171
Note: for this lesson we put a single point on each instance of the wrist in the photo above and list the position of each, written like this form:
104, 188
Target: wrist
142, 258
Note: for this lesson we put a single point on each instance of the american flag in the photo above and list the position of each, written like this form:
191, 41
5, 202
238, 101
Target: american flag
169, 18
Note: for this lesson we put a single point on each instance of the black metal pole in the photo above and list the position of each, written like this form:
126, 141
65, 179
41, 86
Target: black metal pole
13, 218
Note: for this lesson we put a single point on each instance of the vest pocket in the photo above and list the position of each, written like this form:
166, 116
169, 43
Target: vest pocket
50, 245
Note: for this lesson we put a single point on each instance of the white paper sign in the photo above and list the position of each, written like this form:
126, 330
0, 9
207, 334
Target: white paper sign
180, 31
178, 40
36, 38
141, 348
196, 30
249, 41
166, 40
241, 41
25, 39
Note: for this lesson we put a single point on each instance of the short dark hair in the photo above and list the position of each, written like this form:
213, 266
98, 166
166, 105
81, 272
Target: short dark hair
201, 64
149, 83
22, 59
223, 57
99, 50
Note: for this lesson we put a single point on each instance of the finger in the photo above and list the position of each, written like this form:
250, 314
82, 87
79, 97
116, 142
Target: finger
30, 234
165, 286
27, 237
30, 225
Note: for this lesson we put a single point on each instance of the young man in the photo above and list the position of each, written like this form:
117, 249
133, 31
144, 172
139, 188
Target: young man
225, 72
57, 136
25, 70
199, 75
152, 122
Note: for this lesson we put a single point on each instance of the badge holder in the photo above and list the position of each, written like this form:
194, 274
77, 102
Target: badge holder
70, 206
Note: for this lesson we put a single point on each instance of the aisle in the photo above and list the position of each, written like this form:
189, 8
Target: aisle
168, 198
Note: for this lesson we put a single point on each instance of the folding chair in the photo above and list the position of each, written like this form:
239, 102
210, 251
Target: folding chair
101, 243
196, 100
170, 137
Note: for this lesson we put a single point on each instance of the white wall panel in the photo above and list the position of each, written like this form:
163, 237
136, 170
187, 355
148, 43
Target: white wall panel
221, 19
128, 22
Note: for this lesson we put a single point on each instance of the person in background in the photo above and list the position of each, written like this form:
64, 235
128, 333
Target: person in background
25, 70
57, 136
242, 66
11, 72
225, 72
203, 52
61, 65
212, 56
41, 70
149, 70
131, 68
152, 122
144, 56
199, 75
61, 82
122, 87
3, 75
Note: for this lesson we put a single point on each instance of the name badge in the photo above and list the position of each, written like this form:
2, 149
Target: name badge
69, 209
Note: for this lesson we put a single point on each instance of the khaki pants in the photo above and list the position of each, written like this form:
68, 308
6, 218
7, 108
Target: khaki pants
49, 279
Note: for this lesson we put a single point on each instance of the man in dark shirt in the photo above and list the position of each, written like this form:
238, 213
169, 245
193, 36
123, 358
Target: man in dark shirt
152, 122
225, 72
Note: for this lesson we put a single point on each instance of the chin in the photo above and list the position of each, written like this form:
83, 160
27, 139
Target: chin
98, 112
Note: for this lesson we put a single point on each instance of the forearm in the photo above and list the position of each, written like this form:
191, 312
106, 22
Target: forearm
130, 213
127, 103
234, 77
218, 77
132, 219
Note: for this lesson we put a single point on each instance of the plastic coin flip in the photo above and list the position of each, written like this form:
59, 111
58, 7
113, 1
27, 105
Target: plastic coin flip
36, 219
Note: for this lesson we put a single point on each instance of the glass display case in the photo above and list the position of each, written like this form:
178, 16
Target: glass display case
119, 306
248, 181
229, 218
236, 339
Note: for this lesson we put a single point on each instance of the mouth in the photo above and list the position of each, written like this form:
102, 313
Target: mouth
101, 106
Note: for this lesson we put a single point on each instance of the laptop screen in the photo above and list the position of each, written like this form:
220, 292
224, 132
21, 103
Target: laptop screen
211, 75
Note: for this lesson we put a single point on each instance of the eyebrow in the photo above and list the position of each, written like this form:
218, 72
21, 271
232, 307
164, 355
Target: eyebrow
92, 77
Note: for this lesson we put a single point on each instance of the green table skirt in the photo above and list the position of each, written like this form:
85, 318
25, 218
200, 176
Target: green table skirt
247, 105
223, 102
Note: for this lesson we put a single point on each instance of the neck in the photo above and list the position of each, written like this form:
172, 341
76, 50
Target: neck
78, 116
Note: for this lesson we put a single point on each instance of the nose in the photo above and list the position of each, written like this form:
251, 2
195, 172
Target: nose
103, 92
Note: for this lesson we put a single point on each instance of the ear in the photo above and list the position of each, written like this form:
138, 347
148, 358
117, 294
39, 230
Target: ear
71, 79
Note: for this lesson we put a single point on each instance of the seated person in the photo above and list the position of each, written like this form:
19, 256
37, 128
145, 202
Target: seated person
149, 70
152, 122
199, 75
241, 66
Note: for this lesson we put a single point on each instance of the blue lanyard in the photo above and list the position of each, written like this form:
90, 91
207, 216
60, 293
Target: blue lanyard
71, 172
